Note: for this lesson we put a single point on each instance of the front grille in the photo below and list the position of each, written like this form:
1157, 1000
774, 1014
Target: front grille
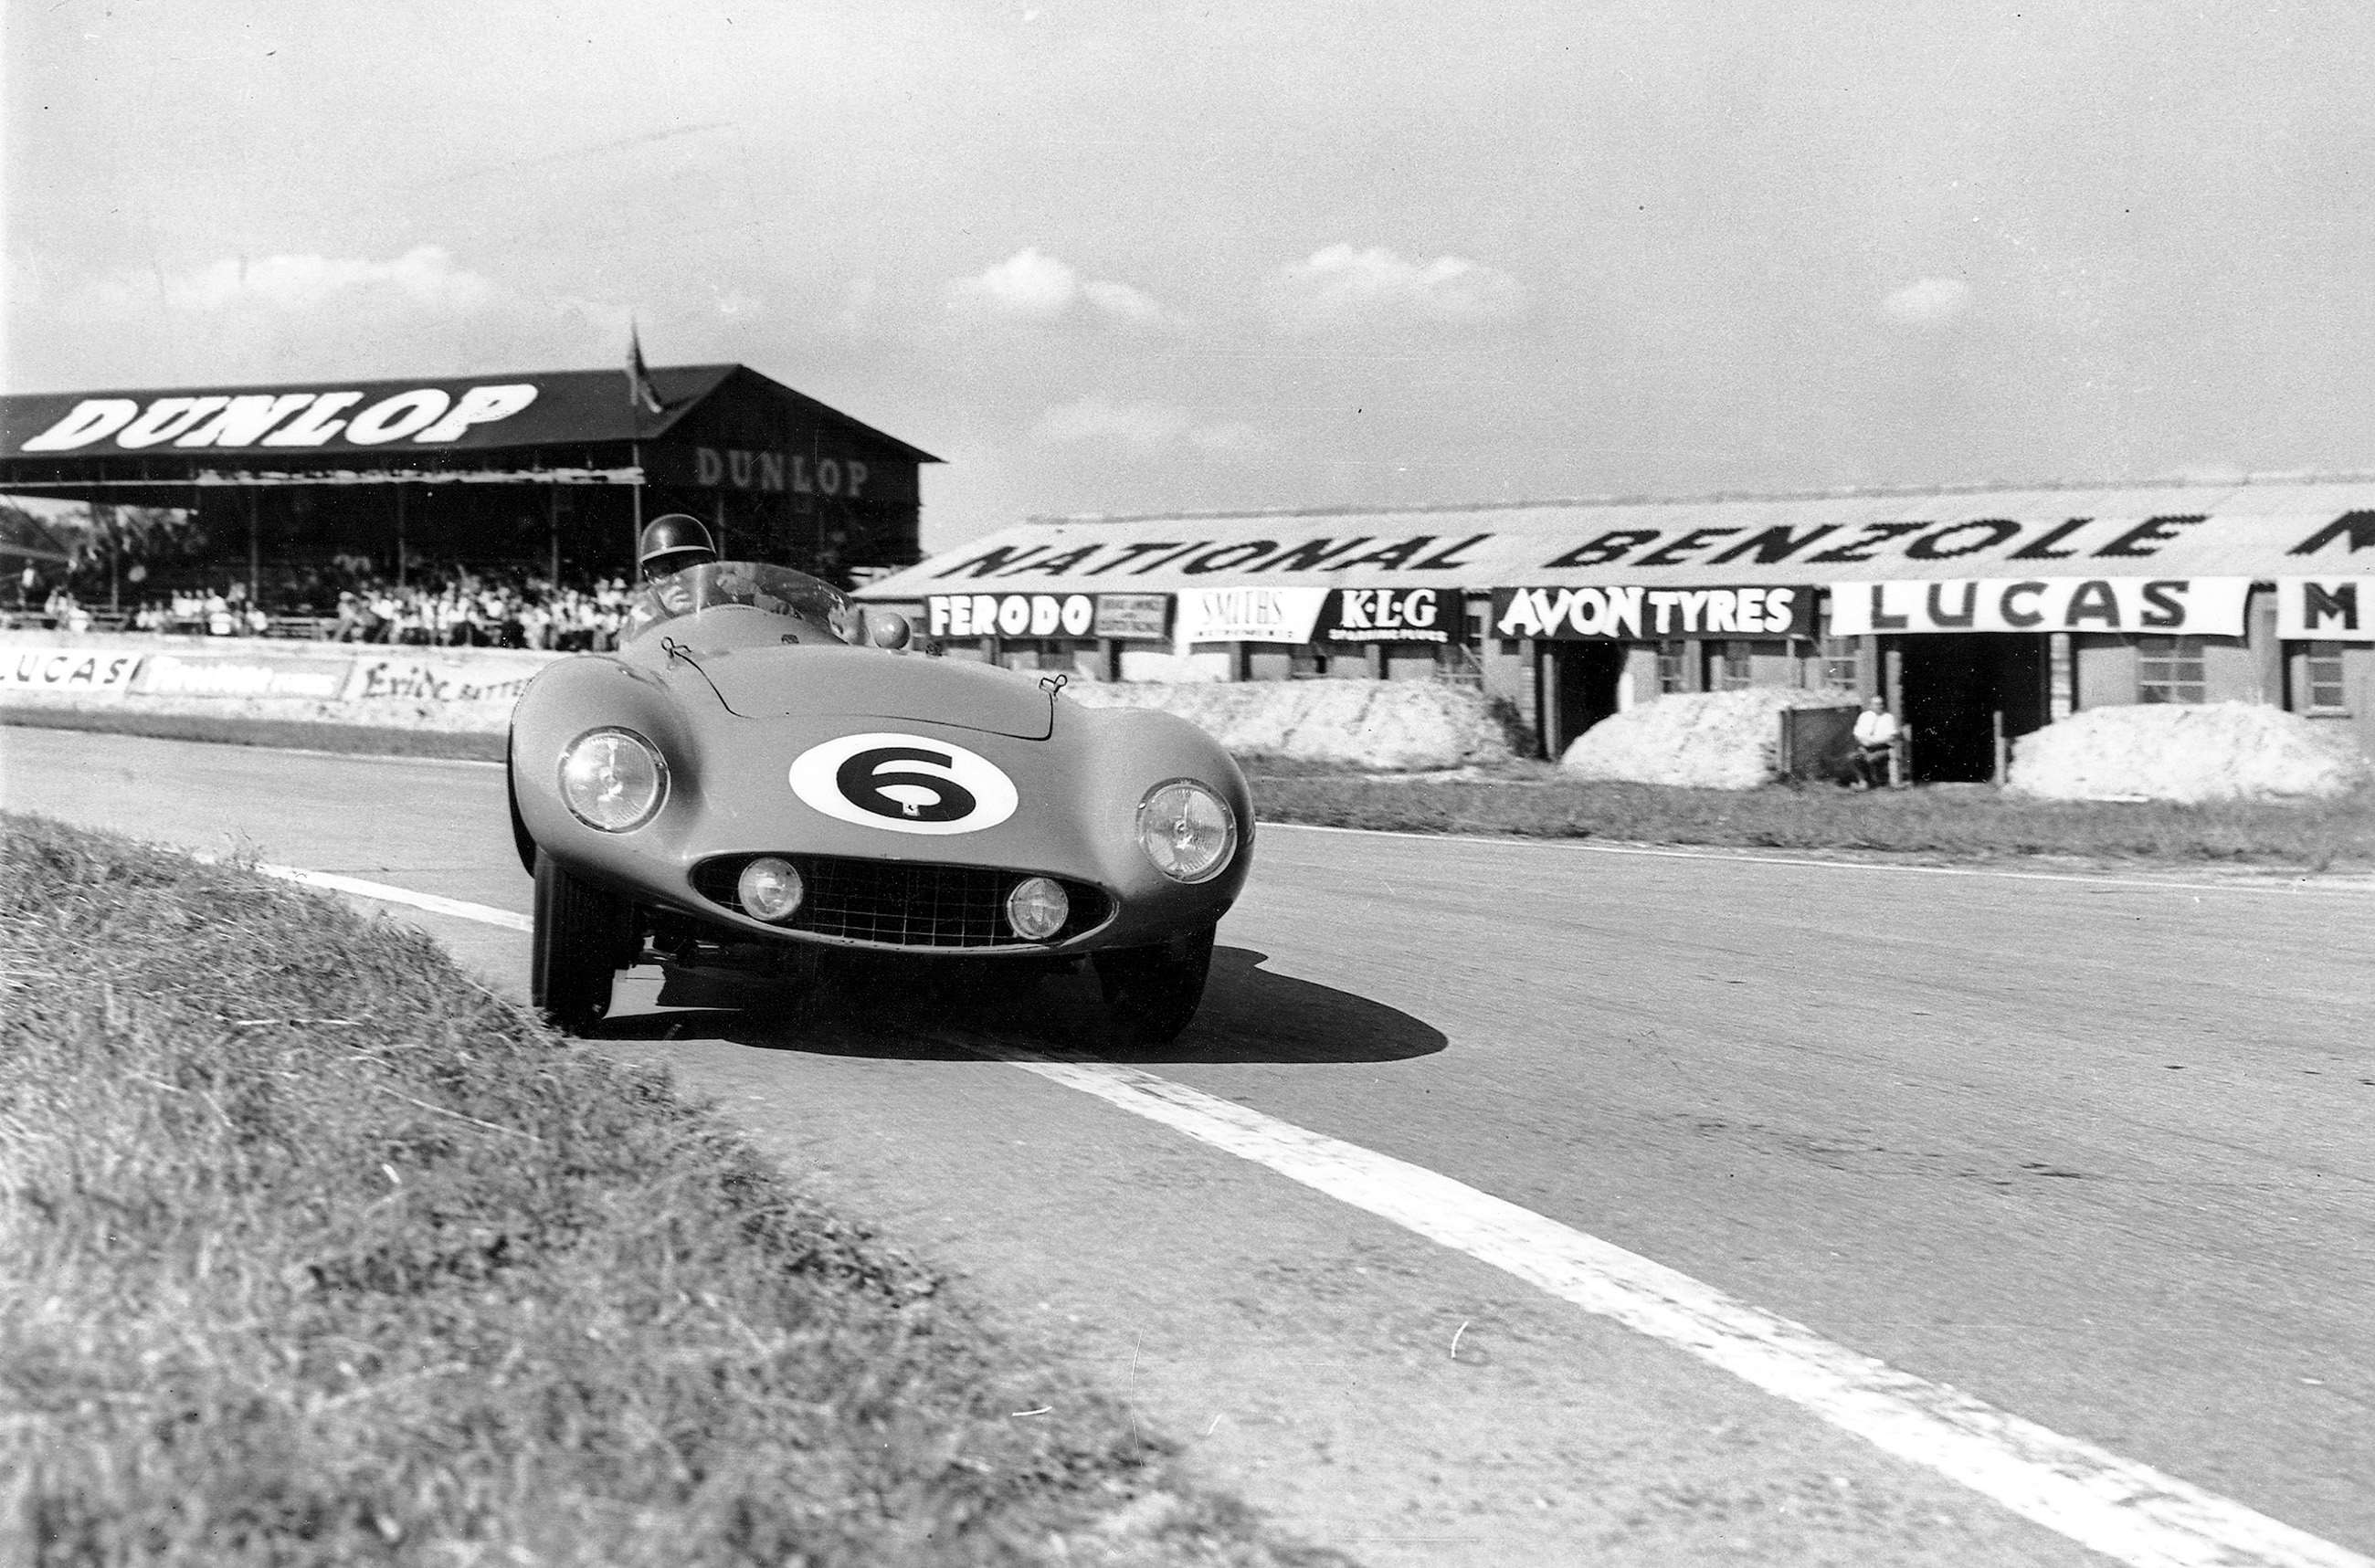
901, 904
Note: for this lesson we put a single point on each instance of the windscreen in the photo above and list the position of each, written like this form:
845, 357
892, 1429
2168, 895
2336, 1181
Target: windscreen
737, 587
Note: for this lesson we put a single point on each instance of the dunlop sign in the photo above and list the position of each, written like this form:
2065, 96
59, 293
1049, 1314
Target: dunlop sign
424, 416
1641, 613
2326, 610
2209, 606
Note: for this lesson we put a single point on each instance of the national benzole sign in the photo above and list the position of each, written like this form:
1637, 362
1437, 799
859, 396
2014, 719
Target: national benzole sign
426, 416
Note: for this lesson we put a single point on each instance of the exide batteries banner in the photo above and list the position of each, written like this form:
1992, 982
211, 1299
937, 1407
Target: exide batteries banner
1638, 614
2211, 606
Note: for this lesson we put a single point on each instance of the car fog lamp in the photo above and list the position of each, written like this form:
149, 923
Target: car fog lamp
769, 888
1188, 831
1037, 908
613, 779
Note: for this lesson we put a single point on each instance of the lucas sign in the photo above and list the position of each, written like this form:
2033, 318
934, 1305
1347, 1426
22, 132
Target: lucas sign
2211, 606
2326, 610
1638, 614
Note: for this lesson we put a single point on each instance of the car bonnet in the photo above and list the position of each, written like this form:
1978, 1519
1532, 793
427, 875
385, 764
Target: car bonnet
810, 681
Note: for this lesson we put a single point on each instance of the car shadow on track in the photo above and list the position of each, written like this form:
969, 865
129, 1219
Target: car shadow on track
1250, 1014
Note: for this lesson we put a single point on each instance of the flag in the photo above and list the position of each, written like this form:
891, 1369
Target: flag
641, 396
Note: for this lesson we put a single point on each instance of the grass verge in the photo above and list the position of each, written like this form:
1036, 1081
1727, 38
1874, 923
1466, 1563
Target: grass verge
320, 1253
1955, 821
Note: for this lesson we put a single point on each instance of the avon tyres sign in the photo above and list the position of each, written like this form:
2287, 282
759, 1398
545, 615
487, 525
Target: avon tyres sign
84, 671
1389, 615
2326, 610
1642, 613
2195, 606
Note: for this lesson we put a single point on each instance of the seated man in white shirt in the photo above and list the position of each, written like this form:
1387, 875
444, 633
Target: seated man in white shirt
1876, 738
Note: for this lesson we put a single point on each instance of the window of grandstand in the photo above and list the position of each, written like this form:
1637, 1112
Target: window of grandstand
2168, 670
1842, 664
1672, 673
1731, 670
2322, 678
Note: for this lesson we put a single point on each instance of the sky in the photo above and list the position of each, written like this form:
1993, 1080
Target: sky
1149, 256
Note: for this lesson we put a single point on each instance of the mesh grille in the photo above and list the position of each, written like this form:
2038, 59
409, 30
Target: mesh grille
901, 904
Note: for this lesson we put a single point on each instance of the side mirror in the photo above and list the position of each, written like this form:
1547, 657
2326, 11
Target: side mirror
887, 628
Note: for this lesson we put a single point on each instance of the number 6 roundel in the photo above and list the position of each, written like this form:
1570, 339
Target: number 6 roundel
905, 784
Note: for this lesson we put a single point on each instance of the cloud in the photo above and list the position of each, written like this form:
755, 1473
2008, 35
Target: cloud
1340, 287
1149, 427
1032, 287
1926, 301
425, 277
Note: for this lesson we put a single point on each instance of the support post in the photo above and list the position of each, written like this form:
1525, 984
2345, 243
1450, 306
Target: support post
399, 537
552, 521
254, 547
718, 510
635, 542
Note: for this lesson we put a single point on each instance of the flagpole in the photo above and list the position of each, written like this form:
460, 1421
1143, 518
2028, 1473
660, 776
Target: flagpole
635, 451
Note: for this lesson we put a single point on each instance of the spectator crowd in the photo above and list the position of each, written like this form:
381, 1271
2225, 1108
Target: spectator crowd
456, 608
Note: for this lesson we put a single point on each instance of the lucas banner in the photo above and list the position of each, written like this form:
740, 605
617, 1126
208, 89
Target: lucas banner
1389, 615
1639, 614
2326, 610
2207, 607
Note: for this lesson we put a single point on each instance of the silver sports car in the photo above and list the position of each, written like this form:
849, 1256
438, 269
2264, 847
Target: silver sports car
763, 762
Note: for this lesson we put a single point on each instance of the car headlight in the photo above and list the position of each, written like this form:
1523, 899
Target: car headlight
1188, 831
613, 779
769, 888
1037, 908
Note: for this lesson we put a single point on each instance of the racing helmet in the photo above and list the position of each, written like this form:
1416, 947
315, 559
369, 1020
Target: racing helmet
671, 544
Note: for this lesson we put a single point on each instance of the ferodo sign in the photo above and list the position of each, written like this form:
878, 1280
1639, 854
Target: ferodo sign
82, 670
422, 416
2326, 610
1010, 615
1389, 615
1642, 614
2195, 606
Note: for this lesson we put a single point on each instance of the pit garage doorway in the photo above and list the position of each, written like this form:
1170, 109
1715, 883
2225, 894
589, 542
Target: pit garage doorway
1954, 685
1578, 689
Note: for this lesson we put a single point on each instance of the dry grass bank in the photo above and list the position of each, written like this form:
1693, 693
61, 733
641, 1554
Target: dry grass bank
319, 1253
1955, 821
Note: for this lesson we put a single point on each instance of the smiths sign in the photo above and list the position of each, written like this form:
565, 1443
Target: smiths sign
2197, 606
419, 416
1640, 614
2326, 610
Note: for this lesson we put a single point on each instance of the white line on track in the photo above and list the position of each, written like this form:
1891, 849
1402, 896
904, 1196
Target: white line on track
2127, 1511
486, 914
2118, 1507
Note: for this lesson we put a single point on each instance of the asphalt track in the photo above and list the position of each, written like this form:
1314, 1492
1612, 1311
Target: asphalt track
2093, 1151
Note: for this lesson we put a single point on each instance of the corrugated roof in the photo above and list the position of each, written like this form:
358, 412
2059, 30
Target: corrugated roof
2254, 528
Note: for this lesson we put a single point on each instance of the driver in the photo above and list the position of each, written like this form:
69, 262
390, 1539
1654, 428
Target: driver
671, 544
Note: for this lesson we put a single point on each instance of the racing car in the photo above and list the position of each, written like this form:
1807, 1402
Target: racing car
764, 764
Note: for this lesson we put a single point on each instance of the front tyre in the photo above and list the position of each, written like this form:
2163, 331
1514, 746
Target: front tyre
583, 933
1152, 992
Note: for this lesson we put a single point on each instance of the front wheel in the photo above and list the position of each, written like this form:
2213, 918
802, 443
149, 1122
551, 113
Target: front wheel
583, 934
1152, 992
